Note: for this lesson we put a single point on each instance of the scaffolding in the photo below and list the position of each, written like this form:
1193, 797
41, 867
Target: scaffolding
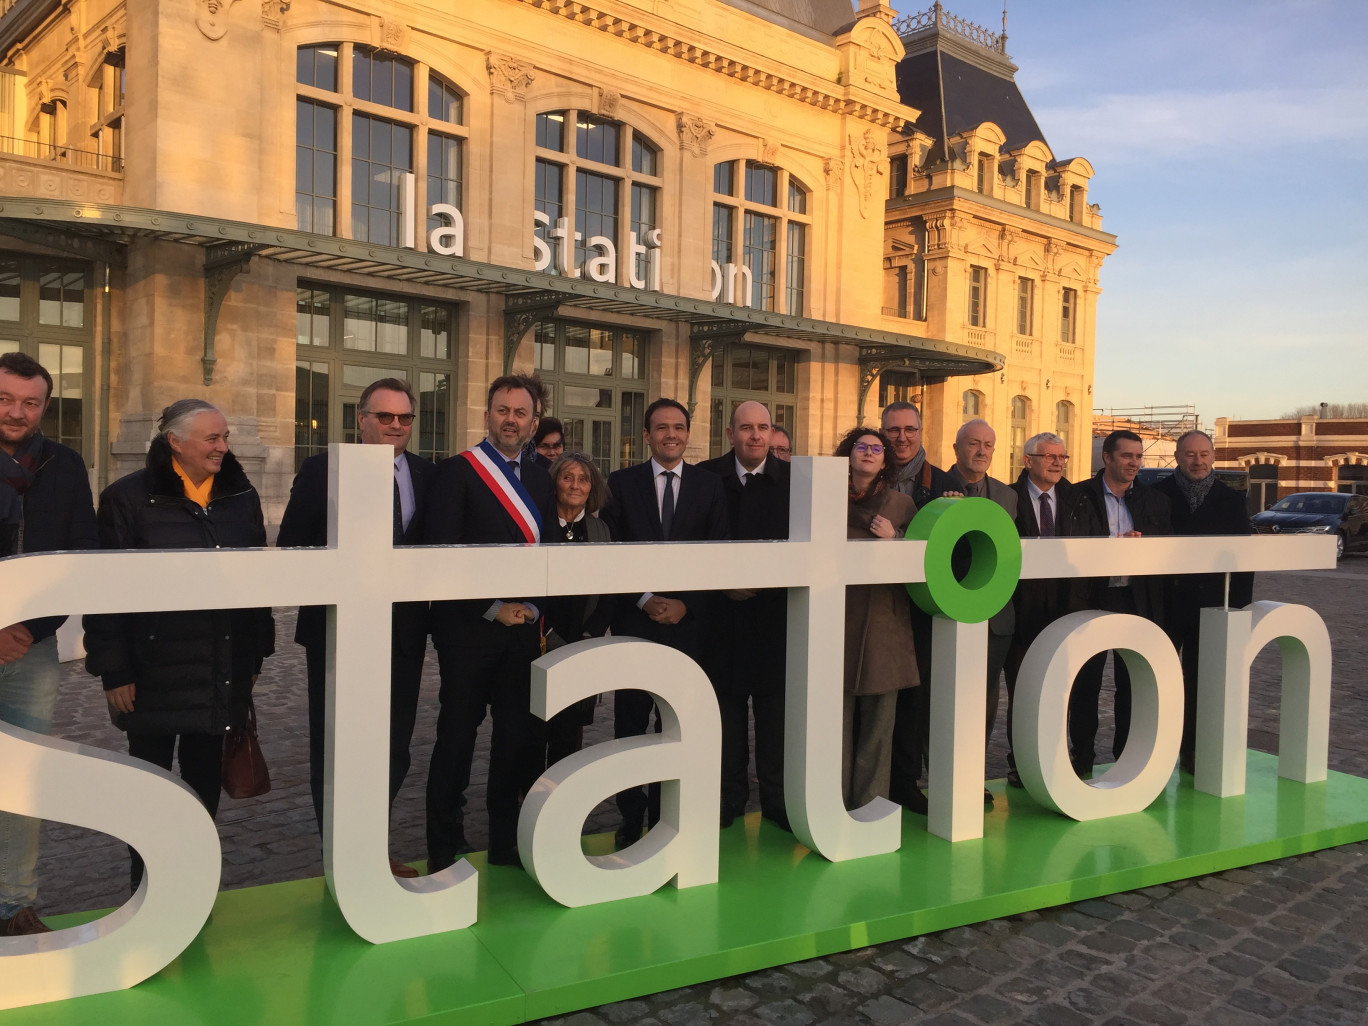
1157, 426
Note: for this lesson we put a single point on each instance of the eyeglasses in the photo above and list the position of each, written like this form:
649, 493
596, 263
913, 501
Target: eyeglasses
780, 450
1051, 457
389, 418
873, 448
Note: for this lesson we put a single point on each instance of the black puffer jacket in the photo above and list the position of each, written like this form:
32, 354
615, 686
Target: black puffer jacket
193, 668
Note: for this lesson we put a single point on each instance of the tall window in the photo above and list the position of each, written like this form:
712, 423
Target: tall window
47, 311
897, 176
1025, 306
604, 179
1021, 412
107, 131
741, 373
983, 177
1064, 422
402, 118
1033, 190
770, 207
1075, 203
345, 339
978, 286
1068, 313
596, 378
972, 405
899, 387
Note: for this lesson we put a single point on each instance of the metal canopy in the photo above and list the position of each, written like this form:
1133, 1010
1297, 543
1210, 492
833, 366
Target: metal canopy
72, 224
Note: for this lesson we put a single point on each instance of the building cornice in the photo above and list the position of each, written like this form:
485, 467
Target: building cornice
948, 195
857, 103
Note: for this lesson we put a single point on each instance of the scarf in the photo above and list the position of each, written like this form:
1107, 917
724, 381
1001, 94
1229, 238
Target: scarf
16, 475
1194, 491
908, 473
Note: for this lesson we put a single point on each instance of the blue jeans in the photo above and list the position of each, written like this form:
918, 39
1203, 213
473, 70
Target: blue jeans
28, 695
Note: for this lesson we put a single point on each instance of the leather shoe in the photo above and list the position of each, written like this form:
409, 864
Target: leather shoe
628, 833
987, 797
915, 801
401, 870
502, 856
728, 816
1014, 779
23, 922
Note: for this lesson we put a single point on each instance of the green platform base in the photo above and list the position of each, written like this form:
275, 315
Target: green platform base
282, 953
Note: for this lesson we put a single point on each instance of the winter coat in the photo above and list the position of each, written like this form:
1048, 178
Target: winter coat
193, 668
880, 654
1085, 516
57, 515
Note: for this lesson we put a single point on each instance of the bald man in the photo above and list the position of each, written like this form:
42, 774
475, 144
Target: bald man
745, 656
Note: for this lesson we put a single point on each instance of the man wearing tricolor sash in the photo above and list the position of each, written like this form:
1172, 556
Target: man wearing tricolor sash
489, 494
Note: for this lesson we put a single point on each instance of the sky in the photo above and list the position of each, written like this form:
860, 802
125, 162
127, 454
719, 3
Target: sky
1229, 142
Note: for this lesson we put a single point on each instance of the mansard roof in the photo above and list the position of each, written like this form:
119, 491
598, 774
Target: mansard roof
817, 19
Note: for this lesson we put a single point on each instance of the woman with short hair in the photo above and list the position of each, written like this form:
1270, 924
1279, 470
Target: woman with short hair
176, 681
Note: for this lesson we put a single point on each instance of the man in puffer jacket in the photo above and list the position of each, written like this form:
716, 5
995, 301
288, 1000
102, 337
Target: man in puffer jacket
183, 675
45, 506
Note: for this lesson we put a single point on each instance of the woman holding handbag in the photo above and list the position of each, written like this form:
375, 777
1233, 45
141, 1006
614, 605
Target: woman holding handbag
178, 681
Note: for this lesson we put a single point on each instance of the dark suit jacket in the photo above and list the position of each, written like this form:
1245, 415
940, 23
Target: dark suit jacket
1039, 602
305, 524
1003, 622
1223, 511
1085, 516
461, 510
747, 639
633, 515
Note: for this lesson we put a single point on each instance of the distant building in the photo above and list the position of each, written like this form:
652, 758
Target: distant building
1306, 454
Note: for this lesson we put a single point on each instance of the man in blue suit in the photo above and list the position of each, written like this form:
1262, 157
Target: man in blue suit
662, 499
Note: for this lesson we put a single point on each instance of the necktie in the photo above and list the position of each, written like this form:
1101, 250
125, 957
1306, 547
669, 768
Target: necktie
1046, 516
667, 506
750, 476
513, 466
398, 513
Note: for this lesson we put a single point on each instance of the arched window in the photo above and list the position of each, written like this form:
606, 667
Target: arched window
760, 225
1021, 413
973, 405
402, 119
597, 199
1064, 418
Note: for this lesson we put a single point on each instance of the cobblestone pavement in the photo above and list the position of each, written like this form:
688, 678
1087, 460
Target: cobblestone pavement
1281, 942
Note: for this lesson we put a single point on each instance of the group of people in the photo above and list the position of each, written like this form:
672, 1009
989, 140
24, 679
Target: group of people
177, 681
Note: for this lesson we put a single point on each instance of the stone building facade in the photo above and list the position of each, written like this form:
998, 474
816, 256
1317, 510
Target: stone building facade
1307, 454
270, 204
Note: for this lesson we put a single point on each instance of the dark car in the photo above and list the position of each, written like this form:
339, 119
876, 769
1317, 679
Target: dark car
1338, 513
1237, 479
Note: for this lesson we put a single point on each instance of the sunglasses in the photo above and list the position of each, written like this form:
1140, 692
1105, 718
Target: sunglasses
389, 418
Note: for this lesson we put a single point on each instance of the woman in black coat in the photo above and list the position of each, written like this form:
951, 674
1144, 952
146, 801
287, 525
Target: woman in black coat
183, 675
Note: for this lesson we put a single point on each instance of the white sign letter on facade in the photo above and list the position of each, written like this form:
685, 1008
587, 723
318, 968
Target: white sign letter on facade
603, 264
541, 252
408, 213
448, 239
686, 757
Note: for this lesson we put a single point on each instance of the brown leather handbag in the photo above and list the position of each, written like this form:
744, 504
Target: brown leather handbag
244, 767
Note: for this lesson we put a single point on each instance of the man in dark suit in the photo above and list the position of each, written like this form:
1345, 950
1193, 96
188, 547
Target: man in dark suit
1111, 505
913, 475
974, 445
384, 416
1199, 504
749, 630
1041, 490
490, 494
663, 499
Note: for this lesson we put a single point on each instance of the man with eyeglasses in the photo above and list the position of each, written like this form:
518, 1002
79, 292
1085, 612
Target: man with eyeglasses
45, 506
1111, 505
781, 444
913, 475
384, 416
1041, 491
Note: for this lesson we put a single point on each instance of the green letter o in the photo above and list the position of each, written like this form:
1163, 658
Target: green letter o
994, 567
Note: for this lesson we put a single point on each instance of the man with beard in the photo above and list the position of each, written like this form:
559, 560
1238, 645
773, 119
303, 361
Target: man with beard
489, 494
1200, 504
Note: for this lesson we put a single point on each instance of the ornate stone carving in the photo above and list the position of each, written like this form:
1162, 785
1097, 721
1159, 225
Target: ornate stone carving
393, 35
769, 152
694, 133
834, 168
212, 17
509, 76
606, 102
866, 164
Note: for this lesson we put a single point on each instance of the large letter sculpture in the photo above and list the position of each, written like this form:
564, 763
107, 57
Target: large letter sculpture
686, 756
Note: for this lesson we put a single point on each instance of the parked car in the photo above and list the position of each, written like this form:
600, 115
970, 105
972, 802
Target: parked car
1338, 513
1237, 479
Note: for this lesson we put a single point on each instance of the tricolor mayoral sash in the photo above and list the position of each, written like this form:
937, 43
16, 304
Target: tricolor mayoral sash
492, 466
